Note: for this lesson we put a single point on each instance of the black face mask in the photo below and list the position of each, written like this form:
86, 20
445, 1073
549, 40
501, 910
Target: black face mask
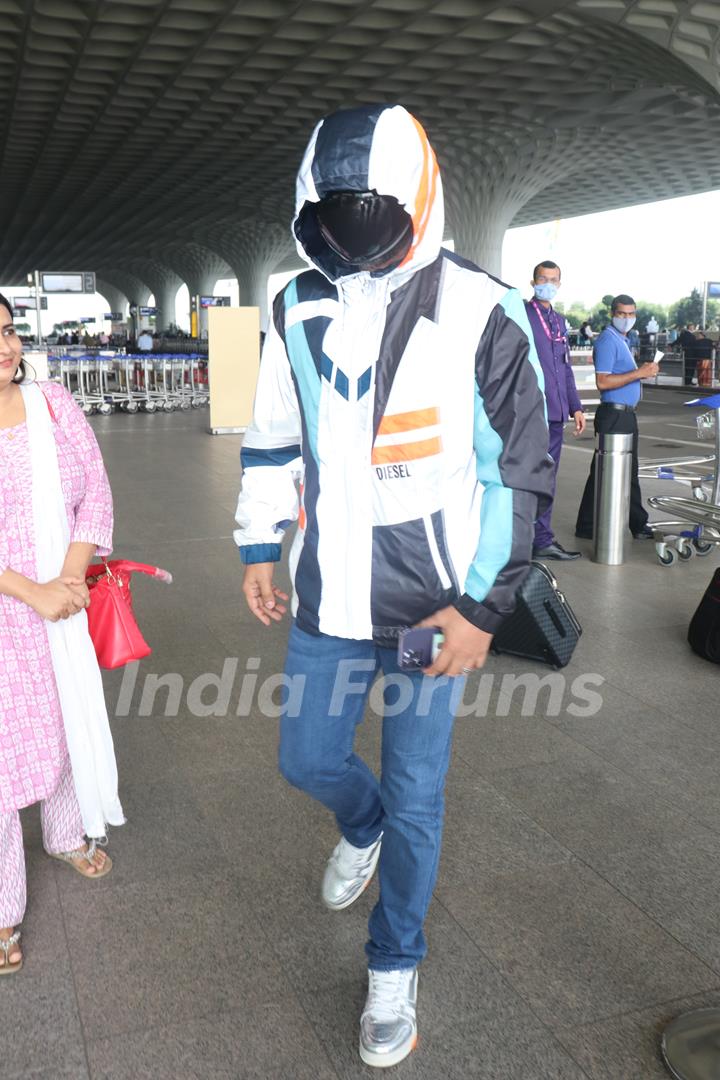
366, 231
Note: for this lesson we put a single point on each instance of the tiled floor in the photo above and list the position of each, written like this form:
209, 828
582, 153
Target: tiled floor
576, 910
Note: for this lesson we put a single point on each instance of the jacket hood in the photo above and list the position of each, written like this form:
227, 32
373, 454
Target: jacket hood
379, 148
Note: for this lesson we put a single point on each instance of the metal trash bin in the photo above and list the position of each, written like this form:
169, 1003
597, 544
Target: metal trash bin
613, 470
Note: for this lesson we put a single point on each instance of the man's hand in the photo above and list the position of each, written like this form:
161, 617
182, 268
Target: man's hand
580, 422
465, 647
649, 370
261, 595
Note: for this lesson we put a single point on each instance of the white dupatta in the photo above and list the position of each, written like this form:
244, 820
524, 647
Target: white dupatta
77, 675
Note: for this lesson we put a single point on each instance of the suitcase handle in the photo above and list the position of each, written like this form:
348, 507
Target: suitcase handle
556, 621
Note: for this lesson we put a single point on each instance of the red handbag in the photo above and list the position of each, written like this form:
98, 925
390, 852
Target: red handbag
111, 622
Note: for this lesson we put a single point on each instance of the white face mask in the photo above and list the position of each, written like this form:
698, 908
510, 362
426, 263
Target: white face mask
623, 323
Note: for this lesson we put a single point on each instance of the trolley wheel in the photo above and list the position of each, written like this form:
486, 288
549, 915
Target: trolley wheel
105, 409
700, 494
685, 550
130, 406
196, 404
168, 406
184, 405
668, 556
702, 547
88, 409
150, 406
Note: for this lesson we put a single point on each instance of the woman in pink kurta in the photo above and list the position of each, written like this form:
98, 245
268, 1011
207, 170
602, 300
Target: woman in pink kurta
34, 763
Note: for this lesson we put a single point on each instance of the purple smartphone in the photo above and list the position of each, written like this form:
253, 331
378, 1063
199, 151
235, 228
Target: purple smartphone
418, 648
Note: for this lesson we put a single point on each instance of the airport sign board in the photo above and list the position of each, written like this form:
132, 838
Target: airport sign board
57, 281
29, 302
114, 316
214, 301
148, 312
713, 290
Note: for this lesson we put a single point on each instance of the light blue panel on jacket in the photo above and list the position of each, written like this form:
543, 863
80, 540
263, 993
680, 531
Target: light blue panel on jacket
304, 370
496, 512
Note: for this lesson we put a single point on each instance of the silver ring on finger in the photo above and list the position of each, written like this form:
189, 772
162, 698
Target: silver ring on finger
467, 670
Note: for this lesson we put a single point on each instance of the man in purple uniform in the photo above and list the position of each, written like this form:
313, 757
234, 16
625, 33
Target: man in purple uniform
563, 402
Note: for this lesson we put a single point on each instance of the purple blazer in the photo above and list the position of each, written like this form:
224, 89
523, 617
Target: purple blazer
551, 343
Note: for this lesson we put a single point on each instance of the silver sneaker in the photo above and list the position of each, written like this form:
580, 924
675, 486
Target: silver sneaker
388, 1028
348, 873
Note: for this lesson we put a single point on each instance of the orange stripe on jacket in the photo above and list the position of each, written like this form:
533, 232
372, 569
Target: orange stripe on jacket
426, 191
302, 517
409, 451
409, 421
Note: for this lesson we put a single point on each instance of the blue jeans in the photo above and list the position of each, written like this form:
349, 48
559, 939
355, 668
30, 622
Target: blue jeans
407, 805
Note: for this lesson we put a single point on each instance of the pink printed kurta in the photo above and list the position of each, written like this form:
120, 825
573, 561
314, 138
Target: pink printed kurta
32, 738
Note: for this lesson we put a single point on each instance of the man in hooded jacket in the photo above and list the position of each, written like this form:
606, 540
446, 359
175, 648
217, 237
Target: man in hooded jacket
399, 419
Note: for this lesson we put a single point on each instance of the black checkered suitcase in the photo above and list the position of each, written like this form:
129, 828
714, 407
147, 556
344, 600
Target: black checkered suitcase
543, 626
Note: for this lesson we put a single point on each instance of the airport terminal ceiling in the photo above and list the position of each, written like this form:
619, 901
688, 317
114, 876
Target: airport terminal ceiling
158, 139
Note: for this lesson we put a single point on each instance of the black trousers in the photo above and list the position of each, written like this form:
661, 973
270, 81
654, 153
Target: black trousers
614, 422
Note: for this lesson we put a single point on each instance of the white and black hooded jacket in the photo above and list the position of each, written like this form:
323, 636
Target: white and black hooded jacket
399, 417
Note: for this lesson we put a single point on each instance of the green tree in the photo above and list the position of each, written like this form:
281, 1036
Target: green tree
575, 314
690, 310
646, 310
600, 314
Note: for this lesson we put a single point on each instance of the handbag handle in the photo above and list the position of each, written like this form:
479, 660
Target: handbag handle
115, 567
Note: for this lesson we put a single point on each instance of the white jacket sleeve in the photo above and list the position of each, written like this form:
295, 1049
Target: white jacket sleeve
270, 458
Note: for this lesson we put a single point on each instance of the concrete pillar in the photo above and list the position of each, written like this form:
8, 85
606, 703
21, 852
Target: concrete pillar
116, 298
164, 284
485, 188
253, 249
129, 284
200, 268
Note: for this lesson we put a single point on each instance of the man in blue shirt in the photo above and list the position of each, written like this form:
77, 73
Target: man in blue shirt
618, 379
563, 402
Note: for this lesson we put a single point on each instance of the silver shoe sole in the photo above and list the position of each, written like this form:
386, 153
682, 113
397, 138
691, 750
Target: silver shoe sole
386, 1061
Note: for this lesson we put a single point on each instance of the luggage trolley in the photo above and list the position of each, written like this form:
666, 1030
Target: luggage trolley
116, 388
198, 380
695, 527
90, 392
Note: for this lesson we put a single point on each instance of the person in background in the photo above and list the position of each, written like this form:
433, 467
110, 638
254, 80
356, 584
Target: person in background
703, 352
633, 339
145, 341
686, 341
586, 333
550, 334
618, 379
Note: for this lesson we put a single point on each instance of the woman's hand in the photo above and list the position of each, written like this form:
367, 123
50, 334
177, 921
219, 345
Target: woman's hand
56, 600
79, 586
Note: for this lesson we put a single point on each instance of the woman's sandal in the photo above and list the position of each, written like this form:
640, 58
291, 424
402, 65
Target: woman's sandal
6, 947
72, 858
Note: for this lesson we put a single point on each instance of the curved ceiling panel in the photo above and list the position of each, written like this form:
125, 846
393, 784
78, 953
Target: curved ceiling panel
130, 128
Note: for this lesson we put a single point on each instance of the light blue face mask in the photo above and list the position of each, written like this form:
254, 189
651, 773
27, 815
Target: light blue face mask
546, 291
624, 325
